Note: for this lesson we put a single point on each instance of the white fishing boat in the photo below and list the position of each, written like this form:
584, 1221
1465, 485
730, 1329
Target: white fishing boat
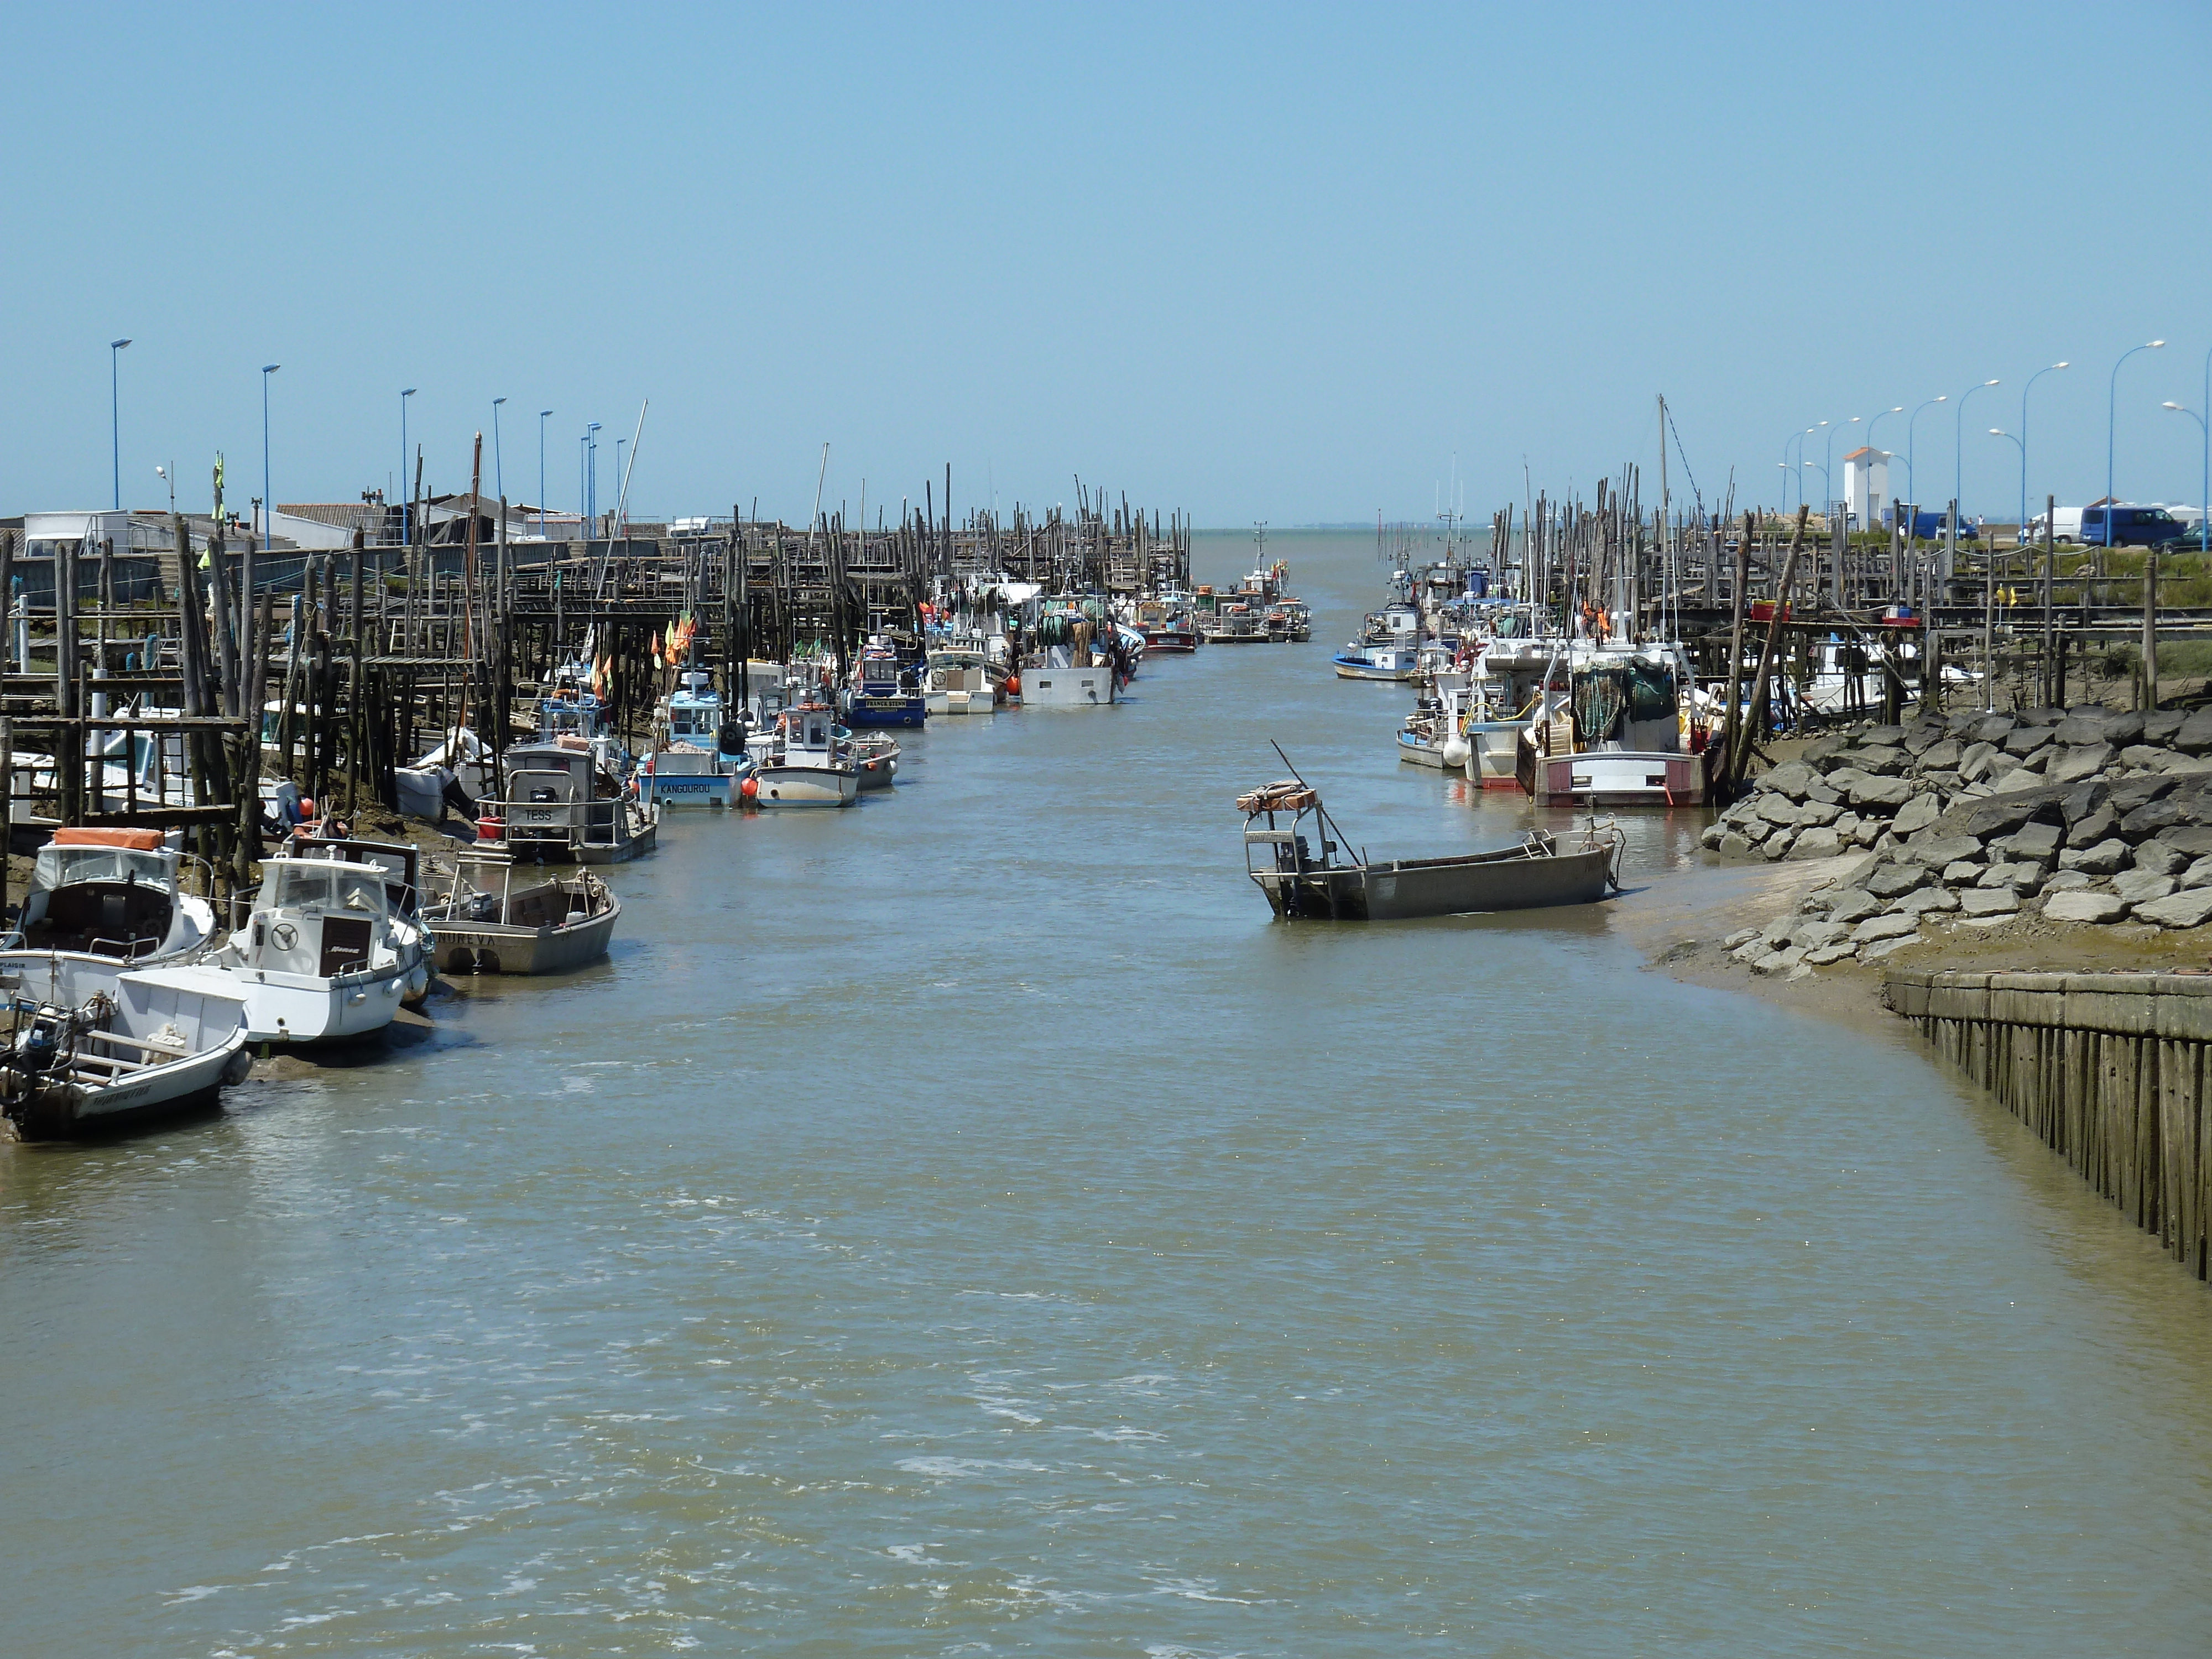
563, 805
331, 945
959, 681
798, 764
93, 1043
116, 893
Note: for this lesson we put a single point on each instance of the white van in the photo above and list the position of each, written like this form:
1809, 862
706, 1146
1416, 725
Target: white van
2067, 528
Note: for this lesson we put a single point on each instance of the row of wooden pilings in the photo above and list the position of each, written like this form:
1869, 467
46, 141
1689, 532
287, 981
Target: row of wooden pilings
2108, 1069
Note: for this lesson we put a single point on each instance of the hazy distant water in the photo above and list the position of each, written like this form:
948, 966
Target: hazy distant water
965, 1225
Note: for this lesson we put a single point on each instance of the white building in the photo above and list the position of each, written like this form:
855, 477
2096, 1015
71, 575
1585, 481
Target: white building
1866, 485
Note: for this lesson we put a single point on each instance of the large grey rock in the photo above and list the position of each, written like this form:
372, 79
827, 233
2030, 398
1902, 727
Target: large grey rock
2102, 860
1777, 809
1893, 881
2146, 820
1887, 947
2027, 740
2084, 906
1840, 779
1736, 845
2040, 716
1927, 901
2078, 730
2083, 799
2195, 735
2022, 778
1811, 813
1853, 872
1988, 901
1942, 757
2163, 727
2009, 875
1818, 792
2140, 886
2036, 842
1938, 850
2001, 815
1964, 873
2198, 874
1874, 929
1881, 760
2071, 763
1917, 814
2160, 858
1881, 737
1779, 961
1821, 753
1993, 728
1791, 778
2068, 881
1813, 934
2189, 909
2128, 794
1816, 841
2099, 825
2149, 759
1855, 904
2123, 729
1777, 844
1881, 792
1822, 955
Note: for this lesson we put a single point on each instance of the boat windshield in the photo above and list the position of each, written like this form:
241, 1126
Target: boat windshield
64, 866
307, 885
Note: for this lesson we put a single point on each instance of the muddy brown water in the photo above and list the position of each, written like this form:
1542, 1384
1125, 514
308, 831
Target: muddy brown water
967, 1224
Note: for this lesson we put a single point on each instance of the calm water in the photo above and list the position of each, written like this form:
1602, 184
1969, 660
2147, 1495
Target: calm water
965, 1225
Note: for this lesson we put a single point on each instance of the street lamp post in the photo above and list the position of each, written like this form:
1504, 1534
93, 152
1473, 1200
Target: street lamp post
592, 469
1911, 428
268, 501
1800, 473
2023, 441
169, 474
542, 414
2183, 409
115, 413
405, 529
1958, 448
1874, 507
498, 472
2111, 419
1999, 432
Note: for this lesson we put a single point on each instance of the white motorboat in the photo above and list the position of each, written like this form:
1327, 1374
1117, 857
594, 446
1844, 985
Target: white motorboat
563, 805
116, 893
490, 923
331, 946
697, 746
93, 1043
959, 680
798, 764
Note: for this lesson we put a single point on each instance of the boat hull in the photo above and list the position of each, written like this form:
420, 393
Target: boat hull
878, 712
1420, 751
1068, 688
806, 785
493, 947
1359, 668
1613, 778
1412, 888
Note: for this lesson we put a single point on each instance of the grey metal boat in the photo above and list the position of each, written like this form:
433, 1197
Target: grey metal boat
1305, 882
490, 923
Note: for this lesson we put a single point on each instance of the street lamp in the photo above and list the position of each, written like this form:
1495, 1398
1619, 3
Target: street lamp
2023, 441
542, 414
169, 472
2202, 523
115, 413
592, 469
1874, 507
1911, 428
1958, 448
268, 501
405, 529
1800, 474
2021, 446
498, 472
2111, 417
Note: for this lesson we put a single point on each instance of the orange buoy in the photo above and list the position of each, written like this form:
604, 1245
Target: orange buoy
1014, 685
748, 789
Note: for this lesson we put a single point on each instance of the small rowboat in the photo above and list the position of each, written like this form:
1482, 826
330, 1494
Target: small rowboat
1303, 881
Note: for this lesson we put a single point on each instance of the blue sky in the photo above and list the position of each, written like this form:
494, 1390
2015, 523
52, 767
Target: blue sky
1281, 263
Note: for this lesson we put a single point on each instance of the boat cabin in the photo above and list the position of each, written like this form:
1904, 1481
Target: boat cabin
316, 917
107, 892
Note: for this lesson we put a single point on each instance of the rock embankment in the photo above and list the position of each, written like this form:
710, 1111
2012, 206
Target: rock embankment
2083, 815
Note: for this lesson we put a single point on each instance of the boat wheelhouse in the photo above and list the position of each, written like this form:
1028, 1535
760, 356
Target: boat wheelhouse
116, 893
